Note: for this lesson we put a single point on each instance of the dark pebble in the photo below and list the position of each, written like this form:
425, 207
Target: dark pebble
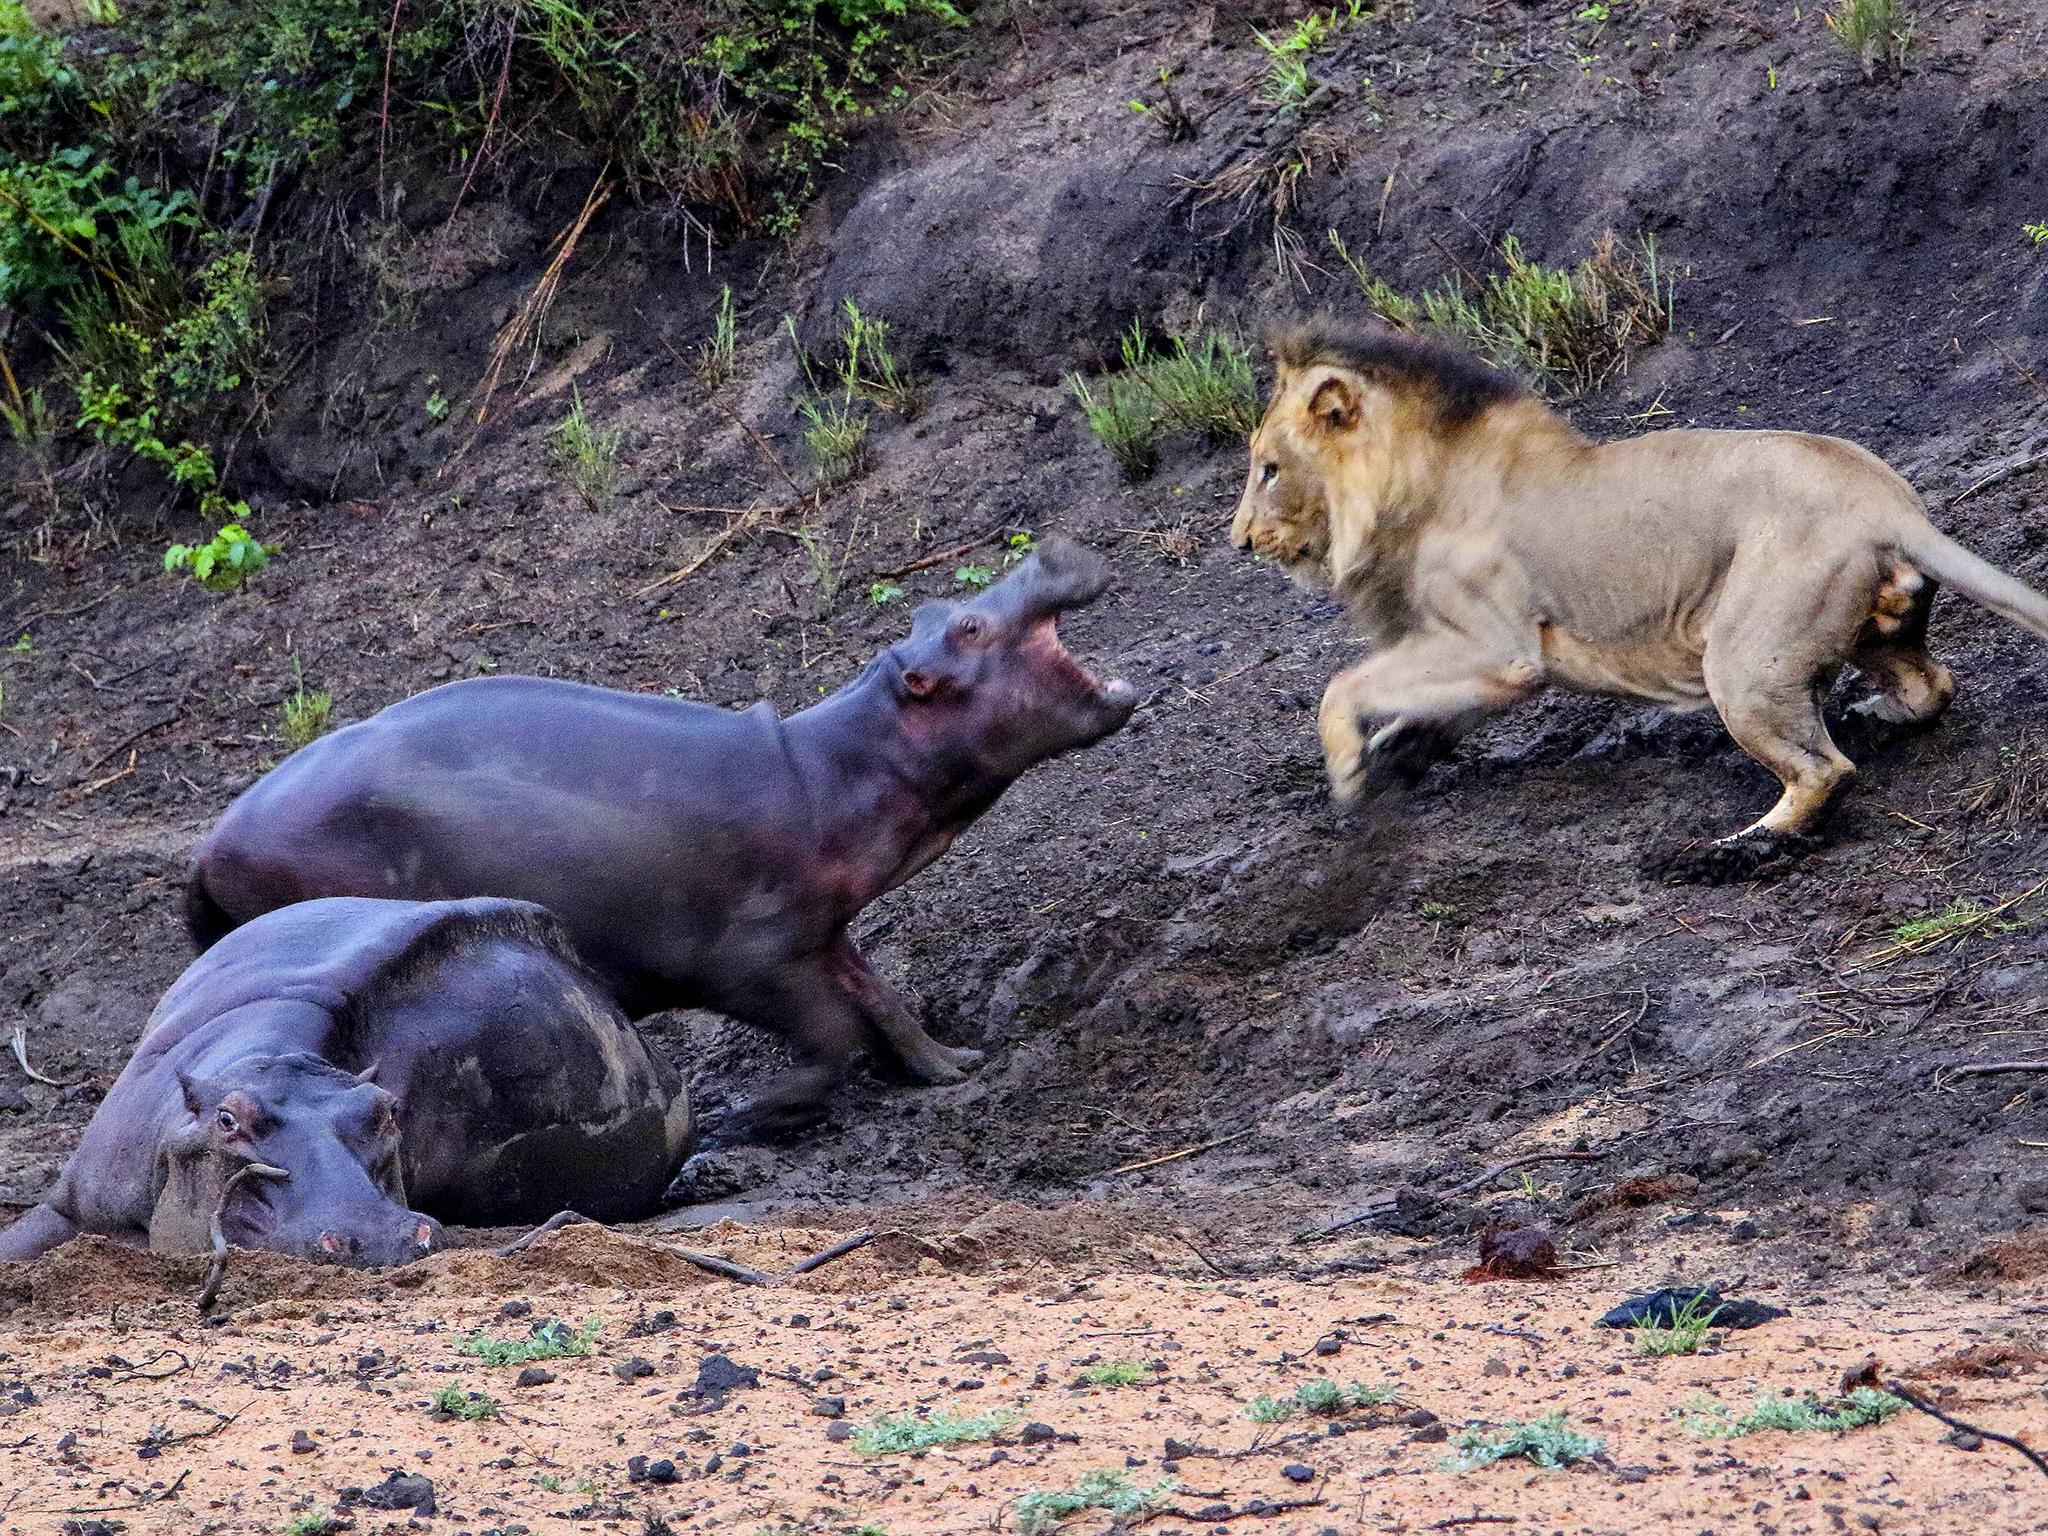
533, 1376
1327, 1347
1417, 1418
740, 1448
636, 1469
1295, 1472
633, 1369
1430, 1434
971, 1384
1964, 1440
1036, 1433
302, 1443
516, 1309
718, 1376
713, 1464
828, 1407
839, 1433
662, 1471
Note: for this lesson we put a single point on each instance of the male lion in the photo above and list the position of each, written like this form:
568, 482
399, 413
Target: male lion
1489, 549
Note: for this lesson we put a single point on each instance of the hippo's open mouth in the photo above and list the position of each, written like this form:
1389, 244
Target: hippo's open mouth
1044, 644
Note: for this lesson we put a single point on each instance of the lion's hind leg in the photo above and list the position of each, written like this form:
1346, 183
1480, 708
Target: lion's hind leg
1891, 651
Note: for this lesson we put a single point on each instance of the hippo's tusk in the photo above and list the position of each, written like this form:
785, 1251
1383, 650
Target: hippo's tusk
217, 1271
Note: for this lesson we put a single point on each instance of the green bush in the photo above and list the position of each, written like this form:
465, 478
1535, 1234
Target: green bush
223, 562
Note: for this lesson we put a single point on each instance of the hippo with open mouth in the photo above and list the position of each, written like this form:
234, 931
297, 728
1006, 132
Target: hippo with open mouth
699, 857
337, 1079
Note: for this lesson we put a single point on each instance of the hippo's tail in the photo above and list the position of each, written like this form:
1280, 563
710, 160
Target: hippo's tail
206, 920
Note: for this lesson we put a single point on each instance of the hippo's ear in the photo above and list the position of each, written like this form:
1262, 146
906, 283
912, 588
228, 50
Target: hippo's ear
191, 1092
369, 1073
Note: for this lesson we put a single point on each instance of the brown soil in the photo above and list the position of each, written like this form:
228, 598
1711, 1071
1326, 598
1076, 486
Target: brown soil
105, 1369
1172, 941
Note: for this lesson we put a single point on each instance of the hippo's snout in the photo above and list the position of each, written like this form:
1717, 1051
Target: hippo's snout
379, 1244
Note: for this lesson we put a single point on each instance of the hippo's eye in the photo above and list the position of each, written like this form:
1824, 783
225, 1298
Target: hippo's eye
1267, 472
968, 626
227, 1122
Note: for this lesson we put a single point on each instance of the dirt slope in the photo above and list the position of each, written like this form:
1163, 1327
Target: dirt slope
1174, 940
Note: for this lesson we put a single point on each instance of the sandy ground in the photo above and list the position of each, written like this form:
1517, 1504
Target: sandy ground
117, 1390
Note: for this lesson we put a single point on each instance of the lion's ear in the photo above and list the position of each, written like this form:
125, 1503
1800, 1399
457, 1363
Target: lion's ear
1334, 403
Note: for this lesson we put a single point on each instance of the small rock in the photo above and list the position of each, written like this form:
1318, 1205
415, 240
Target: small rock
969, 1384
718, 1375
1632, 1474
1295, 1472
401, 1490
636, 1469
1430, 1434
713, 1464
302, 1443
1417, 1418
1965, 1440
828, 1407
662, 1471
839, 1433
1209, 1514
740, 1448
516, 1309
533, 1376
1494, 1366
1327, 1347
1036, 1433
1180, 1450
633, 1369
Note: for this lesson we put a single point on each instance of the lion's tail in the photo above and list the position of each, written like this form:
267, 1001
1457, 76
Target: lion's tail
1975, 577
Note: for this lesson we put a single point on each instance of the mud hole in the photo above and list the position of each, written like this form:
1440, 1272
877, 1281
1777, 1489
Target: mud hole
1172, 942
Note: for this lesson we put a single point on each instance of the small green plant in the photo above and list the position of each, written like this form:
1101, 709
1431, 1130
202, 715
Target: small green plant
1878, 32
1795, 1415
715, 365
900, 1434
1321, 1396
25, 646
976, 576
1018, 546
1687, 1333
835, 436
305, 714
586, 459
870, 370
1959, 916
883, 593
549, 1340
310, 1525
551, 1482
1576, 327
1112, 1492
1116, 1373
437, 404
465, 1405
224, 561
1288, 83
2037, 232
1436, 911
1124, 418
1547, 1441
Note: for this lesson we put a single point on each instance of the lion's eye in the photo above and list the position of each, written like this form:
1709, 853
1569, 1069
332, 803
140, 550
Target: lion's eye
1267, 472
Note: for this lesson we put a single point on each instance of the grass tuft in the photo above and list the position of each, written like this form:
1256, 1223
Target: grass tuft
1321, 1396
870, 370
1688, 1330
1572, 327
1547, 1441
906, 1433
305, 716
1124, 418
585, 458
1112, 1492
1794, 1415
835, 436
715, 366
1288, 83
549, 1340
1202, 385
1878, 32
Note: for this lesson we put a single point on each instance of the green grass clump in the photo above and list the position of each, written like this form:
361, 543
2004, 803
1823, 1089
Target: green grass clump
1688, 1330
1112, 1492
900, 1434
465, 1405
1878, 32
306, 715
835, 436
721, 353
1116, 1373
1288, 82
1572, 327
1202, 385
1795, 1415
1321, 1396
310, 1525
1547, 1441
868, 368
586, 458
550, 1340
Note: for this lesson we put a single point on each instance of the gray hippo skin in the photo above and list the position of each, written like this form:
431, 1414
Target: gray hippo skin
699, 857
404, 1063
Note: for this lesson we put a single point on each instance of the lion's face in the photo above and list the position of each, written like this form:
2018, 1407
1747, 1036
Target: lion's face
1309, 440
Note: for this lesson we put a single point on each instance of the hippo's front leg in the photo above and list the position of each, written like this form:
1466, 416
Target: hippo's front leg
922, 1056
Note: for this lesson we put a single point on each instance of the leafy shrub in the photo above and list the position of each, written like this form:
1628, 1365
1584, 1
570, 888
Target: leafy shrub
223, 562
1116, 1373
548, 1340
1796, 1415
899, 1434
1112, 1492
1321, 1396
1547, 1441
465, 1405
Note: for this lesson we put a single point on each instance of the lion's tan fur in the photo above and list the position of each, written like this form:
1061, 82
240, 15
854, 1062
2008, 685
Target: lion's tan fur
1488, 549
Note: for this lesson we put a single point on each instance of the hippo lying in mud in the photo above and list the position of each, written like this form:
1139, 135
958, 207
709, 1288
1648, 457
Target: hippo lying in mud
400, 1064
698, 857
